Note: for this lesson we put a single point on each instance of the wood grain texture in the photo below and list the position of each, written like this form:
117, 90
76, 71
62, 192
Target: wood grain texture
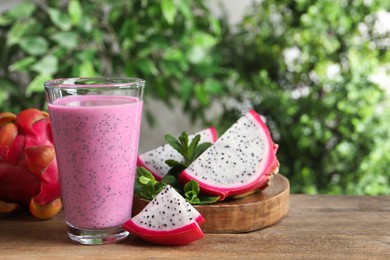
317, 227
253, 212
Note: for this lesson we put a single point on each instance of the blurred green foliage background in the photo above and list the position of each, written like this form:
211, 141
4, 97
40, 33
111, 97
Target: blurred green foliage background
309, 67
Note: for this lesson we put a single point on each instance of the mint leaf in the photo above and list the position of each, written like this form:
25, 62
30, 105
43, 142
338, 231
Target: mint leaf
175, 171
193, 196
173, 163
207, 199
144, 180
176, 168
198, 150
171, 180
183, 139
142, 172
145, 185
192, 187
194, 143
172, 141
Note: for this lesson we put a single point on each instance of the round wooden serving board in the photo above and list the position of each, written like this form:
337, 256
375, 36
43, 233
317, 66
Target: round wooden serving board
254, 212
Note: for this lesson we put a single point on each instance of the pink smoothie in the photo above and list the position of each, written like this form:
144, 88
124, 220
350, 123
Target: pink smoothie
96, 143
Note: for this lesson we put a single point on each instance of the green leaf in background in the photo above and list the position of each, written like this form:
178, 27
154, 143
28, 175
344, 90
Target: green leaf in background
173, 54
16, 32
48, 65
86, 24
34, 45
169, 68
86, 55
213, 86
314, 98
201, 95
199, 46
36, 85
204, 40
86, 69
128, 31
196, 54
131, 68
185, 8
60, 19
6, 88
215, 25
22, 10
68, 40
169, 10
186, 89
23, 64
148, 67
5, 20
4, 95
75, 12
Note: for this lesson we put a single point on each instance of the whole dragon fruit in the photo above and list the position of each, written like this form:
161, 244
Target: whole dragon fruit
167, 220
154, 160
28, 167
242, 160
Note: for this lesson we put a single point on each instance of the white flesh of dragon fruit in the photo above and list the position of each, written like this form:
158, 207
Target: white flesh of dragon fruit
240, 161
168, 219
154, 160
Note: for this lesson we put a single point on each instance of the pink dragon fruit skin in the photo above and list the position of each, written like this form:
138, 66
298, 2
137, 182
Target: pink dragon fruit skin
178, 237
167, 220
28, 168
242, 160
154, 160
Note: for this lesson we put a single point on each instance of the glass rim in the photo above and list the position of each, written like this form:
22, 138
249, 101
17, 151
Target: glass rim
95, 82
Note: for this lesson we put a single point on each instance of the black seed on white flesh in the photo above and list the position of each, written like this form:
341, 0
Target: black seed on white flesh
155, 159
234, 157
168, 210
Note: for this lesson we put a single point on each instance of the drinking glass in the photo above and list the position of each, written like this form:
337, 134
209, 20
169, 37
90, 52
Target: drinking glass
96, 126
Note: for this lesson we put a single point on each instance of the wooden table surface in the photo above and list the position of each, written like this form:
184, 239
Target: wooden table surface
317, 227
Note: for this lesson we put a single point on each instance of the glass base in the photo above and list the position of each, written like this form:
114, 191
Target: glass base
96, 236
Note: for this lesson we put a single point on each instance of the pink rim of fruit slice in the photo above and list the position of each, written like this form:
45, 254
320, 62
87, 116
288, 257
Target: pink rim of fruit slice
180, 236
263, 171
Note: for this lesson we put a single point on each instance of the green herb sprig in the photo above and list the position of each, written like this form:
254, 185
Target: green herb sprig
147, 187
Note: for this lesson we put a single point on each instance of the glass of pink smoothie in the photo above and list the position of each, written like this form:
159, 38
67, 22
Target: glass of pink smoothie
96, 127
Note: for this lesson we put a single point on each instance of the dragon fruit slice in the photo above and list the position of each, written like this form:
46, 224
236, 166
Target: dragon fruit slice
28, 167
154, 160
240, 161
167, 220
